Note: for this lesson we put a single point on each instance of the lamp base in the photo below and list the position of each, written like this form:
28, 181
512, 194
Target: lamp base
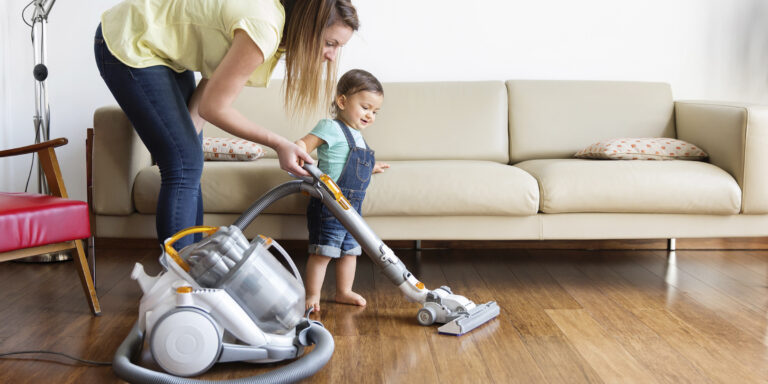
50, 257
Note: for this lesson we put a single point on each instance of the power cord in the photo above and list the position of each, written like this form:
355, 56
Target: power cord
84, 361
24, 10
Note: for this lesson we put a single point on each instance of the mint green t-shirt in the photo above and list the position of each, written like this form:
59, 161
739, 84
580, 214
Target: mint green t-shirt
333, 154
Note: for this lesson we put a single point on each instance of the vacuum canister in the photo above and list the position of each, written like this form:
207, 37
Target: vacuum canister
269, 294
272, 296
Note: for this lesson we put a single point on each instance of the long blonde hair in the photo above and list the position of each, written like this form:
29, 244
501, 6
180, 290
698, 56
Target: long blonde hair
305, 89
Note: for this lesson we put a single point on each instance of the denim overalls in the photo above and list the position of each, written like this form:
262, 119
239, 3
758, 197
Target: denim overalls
327, 236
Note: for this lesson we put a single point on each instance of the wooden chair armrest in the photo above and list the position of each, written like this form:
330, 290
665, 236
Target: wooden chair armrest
34, 147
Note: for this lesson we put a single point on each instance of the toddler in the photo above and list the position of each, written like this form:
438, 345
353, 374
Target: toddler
345, 157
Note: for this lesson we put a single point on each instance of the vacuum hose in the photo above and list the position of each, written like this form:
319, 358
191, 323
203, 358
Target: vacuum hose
275, 194
297, 370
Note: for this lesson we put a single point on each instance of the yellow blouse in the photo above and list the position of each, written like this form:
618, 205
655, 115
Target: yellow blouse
192, 34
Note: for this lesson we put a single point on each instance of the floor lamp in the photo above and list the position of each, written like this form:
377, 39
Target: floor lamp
42, 118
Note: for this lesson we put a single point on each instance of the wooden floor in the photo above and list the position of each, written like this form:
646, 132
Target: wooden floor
567, 316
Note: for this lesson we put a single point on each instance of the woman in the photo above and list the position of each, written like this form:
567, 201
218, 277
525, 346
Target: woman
147, 50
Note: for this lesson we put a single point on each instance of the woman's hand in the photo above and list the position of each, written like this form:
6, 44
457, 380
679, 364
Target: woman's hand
379, 167
303, 146
292, 157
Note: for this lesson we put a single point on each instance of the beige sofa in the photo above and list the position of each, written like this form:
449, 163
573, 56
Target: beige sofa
486, 161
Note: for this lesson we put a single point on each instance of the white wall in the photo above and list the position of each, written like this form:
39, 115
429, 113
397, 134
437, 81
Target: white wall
707, 49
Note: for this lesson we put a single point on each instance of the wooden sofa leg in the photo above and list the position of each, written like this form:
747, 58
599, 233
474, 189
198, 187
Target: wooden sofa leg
85, 279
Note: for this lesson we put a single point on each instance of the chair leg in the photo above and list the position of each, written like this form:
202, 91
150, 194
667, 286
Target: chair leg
92, 258
85, 278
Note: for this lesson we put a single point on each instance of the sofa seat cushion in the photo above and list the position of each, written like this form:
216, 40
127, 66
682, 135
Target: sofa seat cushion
620, 186
228, 187
451, 188
410, 188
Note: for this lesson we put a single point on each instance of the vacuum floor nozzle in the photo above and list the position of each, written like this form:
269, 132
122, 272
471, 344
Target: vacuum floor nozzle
474, 318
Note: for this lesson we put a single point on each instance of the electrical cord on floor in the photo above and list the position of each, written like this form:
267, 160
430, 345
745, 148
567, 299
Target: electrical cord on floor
91, 362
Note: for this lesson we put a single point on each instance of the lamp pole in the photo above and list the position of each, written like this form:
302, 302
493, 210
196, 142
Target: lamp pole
42, 117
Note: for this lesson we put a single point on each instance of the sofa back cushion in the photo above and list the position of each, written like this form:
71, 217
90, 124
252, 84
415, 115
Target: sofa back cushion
418, 121
556, 119
264, 106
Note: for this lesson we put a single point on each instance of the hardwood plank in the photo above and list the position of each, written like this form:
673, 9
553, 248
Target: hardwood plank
406, 348
753, 260
406, 359
611, 361
742, 317
741, 286
460, 358
646, 346
541, 286
720, 365
42, 295
21, 280
356, 359
556, 358
457, 359
718, 331
740, 265
503, 350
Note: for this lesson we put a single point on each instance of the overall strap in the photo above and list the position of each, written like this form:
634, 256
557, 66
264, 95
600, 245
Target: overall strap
348, 135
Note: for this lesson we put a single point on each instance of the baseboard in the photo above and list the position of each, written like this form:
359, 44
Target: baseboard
724, 243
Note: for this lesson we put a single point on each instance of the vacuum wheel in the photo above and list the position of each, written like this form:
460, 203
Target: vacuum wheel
185, 342
426, 316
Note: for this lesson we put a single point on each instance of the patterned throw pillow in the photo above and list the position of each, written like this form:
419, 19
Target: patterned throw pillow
658, 148
225, 148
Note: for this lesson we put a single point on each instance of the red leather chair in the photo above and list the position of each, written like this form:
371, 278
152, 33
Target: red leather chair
33, 224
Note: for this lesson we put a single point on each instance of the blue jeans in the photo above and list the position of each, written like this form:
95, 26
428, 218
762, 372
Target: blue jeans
155, 100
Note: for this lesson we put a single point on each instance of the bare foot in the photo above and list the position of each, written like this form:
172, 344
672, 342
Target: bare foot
350, 298
313, 301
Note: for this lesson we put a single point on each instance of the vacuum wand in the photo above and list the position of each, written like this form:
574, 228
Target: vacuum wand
459, 314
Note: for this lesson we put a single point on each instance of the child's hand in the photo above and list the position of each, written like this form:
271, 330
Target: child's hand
379, 167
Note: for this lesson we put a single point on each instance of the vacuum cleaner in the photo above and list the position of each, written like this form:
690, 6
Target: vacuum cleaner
225, 299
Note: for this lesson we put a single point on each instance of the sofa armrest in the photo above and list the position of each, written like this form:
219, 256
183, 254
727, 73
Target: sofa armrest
735, 136
118, 156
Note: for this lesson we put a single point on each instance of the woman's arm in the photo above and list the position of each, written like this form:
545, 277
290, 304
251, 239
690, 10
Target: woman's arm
220, 92
194, 104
